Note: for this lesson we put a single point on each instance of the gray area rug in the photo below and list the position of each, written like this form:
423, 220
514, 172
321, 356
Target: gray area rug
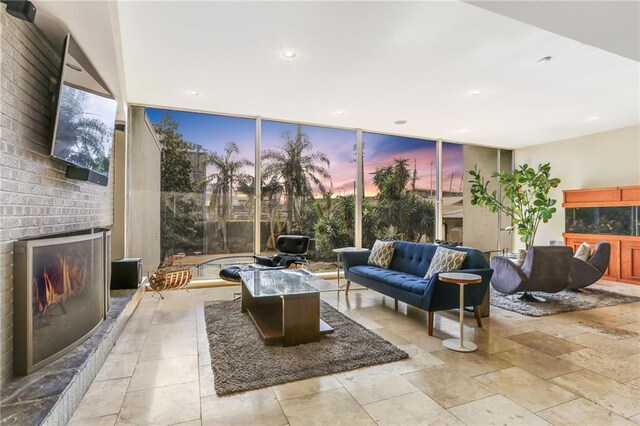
564, 301
242, 361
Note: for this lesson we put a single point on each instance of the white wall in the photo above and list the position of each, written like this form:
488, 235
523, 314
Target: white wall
598, 160
118, 156
480, 227
143, 208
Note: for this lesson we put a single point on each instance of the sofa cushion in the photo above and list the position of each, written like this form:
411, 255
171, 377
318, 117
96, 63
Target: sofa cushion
412, 258
445, 260
402, 280
381, 253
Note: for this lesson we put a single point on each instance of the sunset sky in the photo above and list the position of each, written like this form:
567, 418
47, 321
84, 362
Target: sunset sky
213, 132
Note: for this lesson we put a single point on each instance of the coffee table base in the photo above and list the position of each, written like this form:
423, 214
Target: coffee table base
454, 345
289, 319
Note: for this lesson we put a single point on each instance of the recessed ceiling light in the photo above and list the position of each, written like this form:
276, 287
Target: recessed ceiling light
462, 131
595, 118
338, 113
193, 93
400, 122
476, 92
545, 59
289, 54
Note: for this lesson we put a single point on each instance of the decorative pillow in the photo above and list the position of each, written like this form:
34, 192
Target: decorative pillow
522, 254
381, 254
583, 252
445, 260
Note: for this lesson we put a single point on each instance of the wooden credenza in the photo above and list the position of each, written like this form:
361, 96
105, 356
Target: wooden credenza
588, 219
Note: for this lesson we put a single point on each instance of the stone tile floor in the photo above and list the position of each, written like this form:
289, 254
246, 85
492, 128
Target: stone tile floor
573, 368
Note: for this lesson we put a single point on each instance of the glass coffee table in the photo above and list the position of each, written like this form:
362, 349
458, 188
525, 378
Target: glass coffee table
284, 304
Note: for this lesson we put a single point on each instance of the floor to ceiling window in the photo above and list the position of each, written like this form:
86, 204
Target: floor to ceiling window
308, 187
308, 184
452, 191
207, 184
399, 188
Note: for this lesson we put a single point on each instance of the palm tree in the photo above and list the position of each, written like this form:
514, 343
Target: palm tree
392, 179
299, 169
84, 136
227, 172
271, 193
246, 186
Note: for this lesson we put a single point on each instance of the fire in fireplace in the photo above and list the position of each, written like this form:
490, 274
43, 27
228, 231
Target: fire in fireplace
62, 277
59, 296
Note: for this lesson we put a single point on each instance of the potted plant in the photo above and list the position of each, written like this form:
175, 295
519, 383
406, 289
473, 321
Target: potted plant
525, 197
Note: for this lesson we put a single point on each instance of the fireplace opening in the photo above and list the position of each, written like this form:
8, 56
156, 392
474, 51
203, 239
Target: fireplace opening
60, 290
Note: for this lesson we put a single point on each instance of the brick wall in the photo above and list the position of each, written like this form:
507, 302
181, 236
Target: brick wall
35, 197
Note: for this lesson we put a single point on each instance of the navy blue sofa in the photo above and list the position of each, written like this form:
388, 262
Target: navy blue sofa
404, 279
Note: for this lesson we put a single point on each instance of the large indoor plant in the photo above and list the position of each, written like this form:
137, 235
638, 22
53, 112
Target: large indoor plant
524, 197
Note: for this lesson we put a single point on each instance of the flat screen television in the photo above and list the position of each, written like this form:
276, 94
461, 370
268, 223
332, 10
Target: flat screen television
85, 118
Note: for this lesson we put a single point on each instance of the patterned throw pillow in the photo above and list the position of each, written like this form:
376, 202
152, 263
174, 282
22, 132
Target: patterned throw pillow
381, 254
445, 260
583, 252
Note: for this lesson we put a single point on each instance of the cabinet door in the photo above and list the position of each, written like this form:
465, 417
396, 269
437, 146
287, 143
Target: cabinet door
613, 271
630, 262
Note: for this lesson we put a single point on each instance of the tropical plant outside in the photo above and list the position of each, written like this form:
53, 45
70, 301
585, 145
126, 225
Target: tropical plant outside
223, 181
298, 169
525, 197
179, 209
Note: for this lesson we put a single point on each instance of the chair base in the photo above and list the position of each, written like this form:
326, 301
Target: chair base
528, 297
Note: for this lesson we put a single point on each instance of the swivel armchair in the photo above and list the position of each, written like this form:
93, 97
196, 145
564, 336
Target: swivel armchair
545, 268
584, 273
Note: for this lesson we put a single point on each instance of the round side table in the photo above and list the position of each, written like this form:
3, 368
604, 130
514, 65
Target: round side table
462, 279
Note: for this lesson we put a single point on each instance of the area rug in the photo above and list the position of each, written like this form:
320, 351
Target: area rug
242, 361
564, 301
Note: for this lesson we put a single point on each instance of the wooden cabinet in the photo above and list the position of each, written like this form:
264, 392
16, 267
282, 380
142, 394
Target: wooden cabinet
630, 261
613, 271
623, 226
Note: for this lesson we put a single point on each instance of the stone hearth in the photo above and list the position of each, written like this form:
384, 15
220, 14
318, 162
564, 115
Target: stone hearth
51, 394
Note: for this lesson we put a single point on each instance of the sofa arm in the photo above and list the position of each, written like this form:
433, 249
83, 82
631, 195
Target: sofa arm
355, 258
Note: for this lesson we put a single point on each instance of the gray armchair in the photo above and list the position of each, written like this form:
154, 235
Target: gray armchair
545, 268
583, 273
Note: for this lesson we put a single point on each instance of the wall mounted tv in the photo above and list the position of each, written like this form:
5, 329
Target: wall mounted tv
85, 118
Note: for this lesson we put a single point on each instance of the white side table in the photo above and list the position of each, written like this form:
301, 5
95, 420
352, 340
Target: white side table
462, 279
339, 252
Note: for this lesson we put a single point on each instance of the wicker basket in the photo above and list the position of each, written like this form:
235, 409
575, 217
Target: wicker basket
173, 278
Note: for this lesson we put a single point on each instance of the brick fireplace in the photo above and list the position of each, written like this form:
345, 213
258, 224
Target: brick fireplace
35, 197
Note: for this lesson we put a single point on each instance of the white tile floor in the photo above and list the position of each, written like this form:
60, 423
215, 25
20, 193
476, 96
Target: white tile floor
574, 368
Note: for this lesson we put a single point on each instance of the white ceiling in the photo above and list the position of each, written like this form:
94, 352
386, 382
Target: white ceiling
379, 62
610, 25
94, 26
